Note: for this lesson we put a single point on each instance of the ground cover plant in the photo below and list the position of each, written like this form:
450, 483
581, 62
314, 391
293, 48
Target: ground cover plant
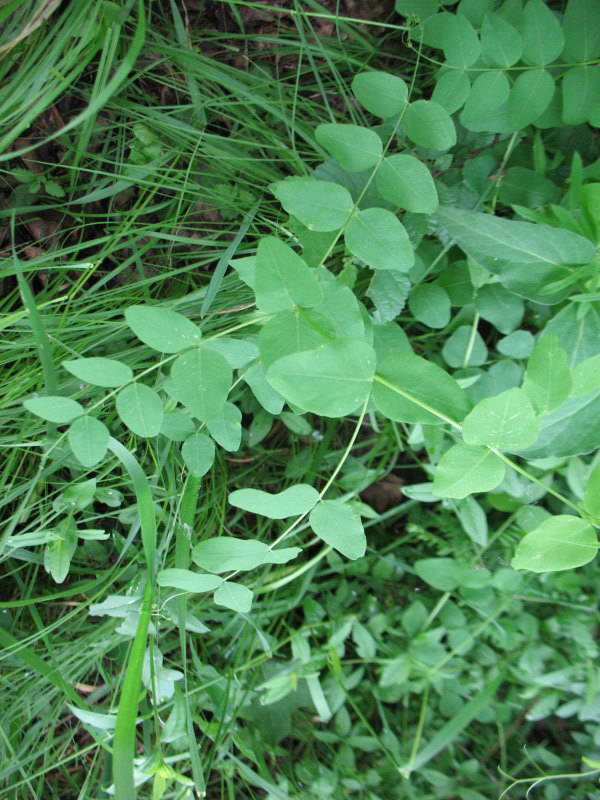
301, 408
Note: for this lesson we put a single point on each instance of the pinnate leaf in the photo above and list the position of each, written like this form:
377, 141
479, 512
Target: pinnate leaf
106, 372
501, 43
561, 542
548, 378
338, 525
451, 90
581, 30
529, 97
162, 329
543, 39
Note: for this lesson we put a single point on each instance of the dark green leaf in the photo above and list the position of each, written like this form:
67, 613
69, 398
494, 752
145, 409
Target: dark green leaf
543, 39
501, 43
451, 90
580, 93
529, 97
430, 305
581, 30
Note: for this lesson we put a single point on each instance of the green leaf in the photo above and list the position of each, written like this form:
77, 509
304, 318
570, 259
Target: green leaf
580, 93
519, 242
473, 520
437, 572
490, 91
141, 409
200, 380
234, 596
293, 332
459, 41
518, 344
501, 43
290, 502
227, 554
104, 372
505, 422
451, 90
591, 494
388, 290
54, 409
462, 349
59, 552
379, 239
464, 470
543, 39
430, 305
237, 352
333, 380
320, 205
405, 181
500, 307
162, 329
382, 94
561, 542
198, 452
548, 378
581, 30
408, 388
429, 125
586, 376
188, 581
339, 526
88, 438
282, 279
354, 148
177, 425
529, 97
226, 427
269, 399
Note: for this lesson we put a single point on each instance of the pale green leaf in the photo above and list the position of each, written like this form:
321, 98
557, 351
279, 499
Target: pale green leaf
529, 97
379, 239
548, 378
591, 494
141, 409
381, 93
237, 352
177, 425
543, 39
188, 581
104, 372
234, 596
333, 380
518, 344
226, 427
162, 329
388, 290
282, 279
320, 205
88, 438
290, 502
501, 43
405, 181
201, 380
227, 554
505, 422
198, 452
586, 376
54, 409
293, 332
429, 125
430, 305
269, 399
353, 147
561, 542
463, 349
338, 525
408, 388
451, 90
473, 520
464, 470
437, 572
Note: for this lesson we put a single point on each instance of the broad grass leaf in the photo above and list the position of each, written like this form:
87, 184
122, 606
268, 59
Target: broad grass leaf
429, 125
508, 240
591, 494
293, 332
320, 205
88, 438
227, 554
548, 378
451, 90
198, 452
282, 279
201, 380
543, 39
408, 388
581, 31
234, 596
332, 380
379, 239
405, 181
162, 329
290, 502
464, 470
106, 372
490, 90
188, 581
501, 43
338, 525
353, 147
529, 97
459, 41
54, 408
226, 427
505, 422
430, 305
499, 307
381, 93
561, 542
141, 409
580, 93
